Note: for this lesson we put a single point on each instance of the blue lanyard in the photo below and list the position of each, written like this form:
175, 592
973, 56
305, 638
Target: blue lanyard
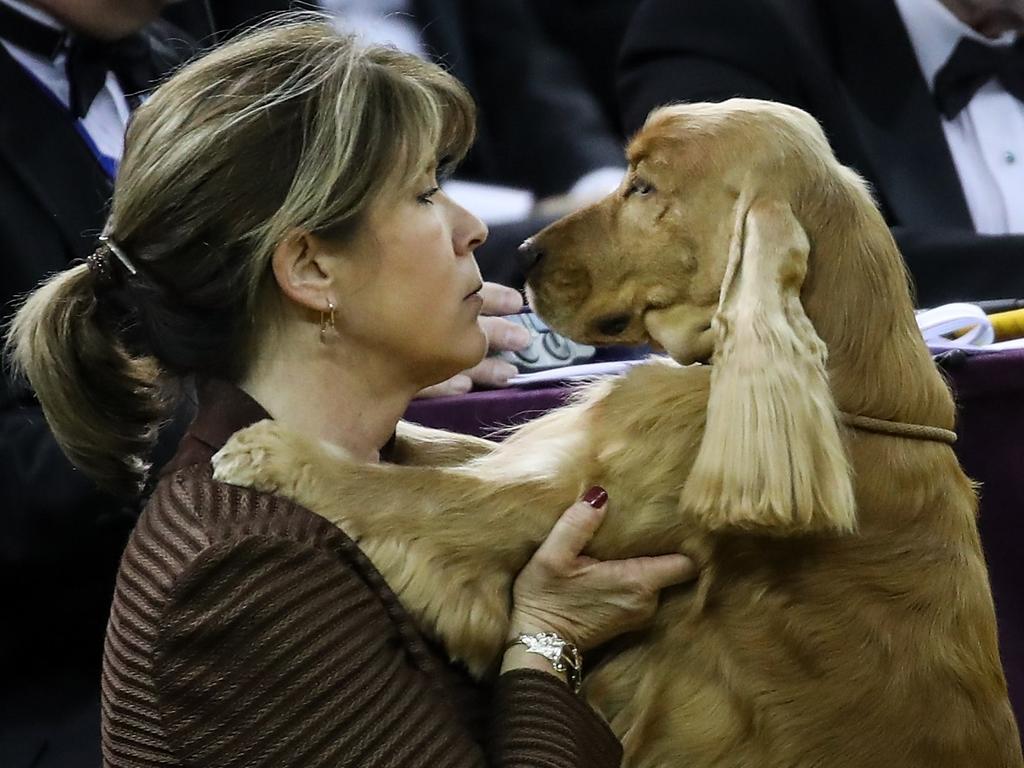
107, 163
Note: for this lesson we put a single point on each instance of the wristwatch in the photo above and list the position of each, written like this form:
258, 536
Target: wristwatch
564, 657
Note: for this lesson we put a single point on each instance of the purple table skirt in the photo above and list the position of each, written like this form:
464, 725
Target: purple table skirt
989, 390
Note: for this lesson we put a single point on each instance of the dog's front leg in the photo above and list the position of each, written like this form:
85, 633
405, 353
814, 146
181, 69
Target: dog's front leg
419, 446
446, 541
451, 545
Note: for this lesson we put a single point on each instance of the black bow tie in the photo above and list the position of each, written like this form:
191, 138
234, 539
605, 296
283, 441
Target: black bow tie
88, 60
971, 66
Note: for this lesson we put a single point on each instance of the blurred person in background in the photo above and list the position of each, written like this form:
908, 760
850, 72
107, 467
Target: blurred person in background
73, 71
591, 31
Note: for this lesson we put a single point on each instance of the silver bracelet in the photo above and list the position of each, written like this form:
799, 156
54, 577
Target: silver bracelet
564, 657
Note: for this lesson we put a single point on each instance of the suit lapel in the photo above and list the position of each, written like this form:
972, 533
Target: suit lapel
40, 144
894, 114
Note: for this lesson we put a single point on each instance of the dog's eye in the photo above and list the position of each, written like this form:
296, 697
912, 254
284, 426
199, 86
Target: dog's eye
638, 186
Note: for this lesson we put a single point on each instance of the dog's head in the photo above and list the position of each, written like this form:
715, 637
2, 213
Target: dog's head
647, 263
702, 252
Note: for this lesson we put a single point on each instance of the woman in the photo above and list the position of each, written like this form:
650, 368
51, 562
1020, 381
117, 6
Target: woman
277, 234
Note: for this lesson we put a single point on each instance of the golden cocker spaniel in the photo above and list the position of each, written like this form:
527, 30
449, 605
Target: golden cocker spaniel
842, 617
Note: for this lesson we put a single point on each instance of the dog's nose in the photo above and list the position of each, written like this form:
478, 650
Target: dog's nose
612, 325
528, 255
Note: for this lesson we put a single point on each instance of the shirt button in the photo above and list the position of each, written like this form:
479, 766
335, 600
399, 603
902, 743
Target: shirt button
1010, 157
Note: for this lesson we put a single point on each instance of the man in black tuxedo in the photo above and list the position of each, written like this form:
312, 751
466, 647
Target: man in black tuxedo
854, 65
61, 540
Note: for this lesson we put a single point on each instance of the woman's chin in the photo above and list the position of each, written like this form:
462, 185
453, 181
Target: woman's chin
477, 347
465, 356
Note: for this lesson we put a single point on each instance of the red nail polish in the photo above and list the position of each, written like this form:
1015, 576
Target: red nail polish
596, 497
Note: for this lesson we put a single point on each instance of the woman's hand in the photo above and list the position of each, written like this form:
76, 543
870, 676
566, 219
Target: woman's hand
502, 336
587, 601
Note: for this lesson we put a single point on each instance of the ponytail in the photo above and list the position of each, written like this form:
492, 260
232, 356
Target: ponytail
103, 403
291, 126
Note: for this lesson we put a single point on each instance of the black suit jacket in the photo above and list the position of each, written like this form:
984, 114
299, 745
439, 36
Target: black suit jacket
540, 127
61, 540
851, 65
592, 32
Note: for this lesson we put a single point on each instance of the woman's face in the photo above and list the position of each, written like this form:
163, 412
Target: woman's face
411, 283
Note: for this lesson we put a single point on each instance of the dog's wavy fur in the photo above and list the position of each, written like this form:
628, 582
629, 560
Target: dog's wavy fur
842, 617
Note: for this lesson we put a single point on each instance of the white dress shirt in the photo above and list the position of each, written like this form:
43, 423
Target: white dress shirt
987, 138
381, 22
108, 115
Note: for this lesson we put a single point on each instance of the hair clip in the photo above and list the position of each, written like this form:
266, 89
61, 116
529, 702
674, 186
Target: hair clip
119, 253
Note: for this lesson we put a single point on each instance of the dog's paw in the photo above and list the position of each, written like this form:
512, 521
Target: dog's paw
265, 456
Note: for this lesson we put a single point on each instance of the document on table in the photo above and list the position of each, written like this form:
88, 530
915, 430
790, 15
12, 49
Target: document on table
976, 331
585, 371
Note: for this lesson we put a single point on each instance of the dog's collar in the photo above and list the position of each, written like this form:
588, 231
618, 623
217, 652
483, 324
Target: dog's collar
895, 428
898, 428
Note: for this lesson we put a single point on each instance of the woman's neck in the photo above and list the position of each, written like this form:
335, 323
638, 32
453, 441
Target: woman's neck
355, 406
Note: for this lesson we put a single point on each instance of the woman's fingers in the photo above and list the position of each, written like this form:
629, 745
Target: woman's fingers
492, 372
500, 299
574, 530
669, 570
504, 335
653, 573
587, 600
459, 384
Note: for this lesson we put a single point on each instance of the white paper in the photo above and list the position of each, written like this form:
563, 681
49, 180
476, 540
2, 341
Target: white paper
937, 323
1001, 345
566, 373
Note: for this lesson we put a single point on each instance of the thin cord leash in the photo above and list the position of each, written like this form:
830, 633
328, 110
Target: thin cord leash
899, 428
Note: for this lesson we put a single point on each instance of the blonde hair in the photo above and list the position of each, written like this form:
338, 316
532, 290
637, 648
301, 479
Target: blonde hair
291, 126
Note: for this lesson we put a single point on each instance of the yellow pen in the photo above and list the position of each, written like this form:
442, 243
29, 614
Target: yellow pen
1008, 325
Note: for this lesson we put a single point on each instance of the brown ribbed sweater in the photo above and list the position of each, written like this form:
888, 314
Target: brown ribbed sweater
247, 631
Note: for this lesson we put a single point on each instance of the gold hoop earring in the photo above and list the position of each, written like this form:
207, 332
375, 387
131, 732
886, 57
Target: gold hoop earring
326, 321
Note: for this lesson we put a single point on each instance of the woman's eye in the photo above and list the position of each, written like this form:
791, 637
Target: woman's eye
427, 197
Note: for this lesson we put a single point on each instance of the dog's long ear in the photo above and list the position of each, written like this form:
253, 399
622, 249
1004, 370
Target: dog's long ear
771, 457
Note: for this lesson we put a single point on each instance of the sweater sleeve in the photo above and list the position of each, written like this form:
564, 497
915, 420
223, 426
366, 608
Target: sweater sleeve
537, 722
277, 653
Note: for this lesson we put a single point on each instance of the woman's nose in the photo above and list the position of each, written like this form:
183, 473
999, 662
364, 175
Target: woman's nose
470, 231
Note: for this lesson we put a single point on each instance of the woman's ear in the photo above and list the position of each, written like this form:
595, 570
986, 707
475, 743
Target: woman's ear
771, 456
304, 270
